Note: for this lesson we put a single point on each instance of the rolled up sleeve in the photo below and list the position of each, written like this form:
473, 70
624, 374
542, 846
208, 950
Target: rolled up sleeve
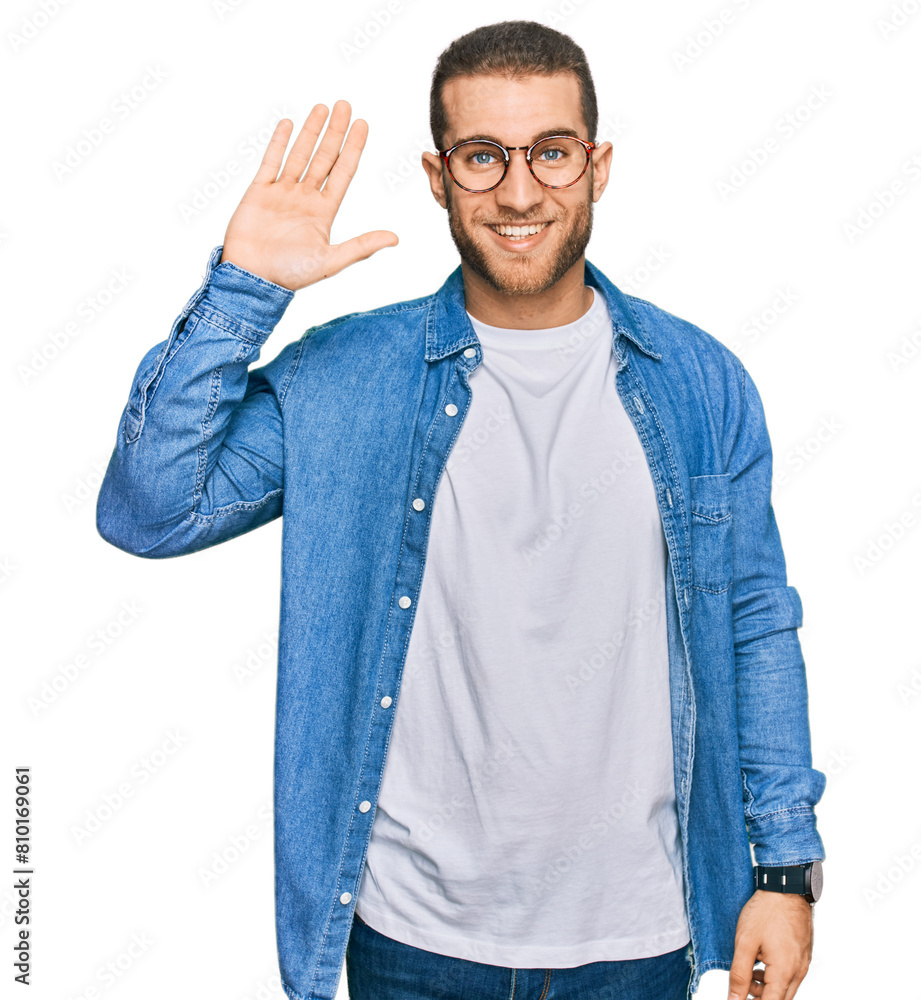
781, 787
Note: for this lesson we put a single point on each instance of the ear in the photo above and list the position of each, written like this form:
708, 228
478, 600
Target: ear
433, 167
601, 166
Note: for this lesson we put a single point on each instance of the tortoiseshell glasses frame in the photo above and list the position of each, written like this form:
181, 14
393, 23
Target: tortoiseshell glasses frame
445, 155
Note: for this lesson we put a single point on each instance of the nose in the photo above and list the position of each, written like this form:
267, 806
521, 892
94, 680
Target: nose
519, 191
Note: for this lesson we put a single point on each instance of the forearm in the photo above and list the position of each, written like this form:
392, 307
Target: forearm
197, 453
780, 786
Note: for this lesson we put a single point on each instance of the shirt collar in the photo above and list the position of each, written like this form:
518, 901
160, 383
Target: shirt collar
448, 328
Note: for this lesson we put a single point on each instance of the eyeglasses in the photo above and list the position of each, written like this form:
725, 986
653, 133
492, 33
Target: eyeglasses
480, 165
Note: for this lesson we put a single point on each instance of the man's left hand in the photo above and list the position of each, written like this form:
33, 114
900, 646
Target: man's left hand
774, 928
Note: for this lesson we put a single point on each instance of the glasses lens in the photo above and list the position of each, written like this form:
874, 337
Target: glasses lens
558, 160
477, 165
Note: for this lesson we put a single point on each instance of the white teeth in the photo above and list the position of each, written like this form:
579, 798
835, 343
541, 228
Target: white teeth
519, 231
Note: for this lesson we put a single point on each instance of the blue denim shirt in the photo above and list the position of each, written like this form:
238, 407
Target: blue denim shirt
346, 433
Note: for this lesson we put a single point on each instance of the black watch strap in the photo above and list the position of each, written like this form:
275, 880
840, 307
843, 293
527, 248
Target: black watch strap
803, 880
790, 878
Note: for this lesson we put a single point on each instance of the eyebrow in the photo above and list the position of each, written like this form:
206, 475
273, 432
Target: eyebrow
540, 135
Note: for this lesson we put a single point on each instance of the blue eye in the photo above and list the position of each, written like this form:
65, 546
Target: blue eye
482, 162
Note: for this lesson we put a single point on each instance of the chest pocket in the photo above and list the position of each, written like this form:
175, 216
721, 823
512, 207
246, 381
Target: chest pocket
711, 533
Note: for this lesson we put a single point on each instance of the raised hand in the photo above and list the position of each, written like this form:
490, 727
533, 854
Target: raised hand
280, 230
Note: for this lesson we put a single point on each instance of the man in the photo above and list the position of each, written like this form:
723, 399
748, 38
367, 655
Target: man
599, 708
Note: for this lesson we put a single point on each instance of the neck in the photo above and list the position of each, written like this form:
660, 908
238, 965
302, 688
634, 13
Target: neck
564, 302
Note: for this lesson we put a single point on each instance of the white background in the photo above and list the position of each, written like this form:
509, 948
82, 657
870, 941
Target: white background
841, 357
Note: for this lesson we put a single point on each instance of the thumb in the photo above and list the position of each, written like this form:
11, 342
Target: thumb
361, 247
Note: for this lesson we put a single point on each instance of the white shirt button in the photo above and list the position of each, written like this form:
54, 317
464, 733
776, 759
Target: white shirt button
419, 503
346, 897
470, 352
386, 701
404, 602
451, 410
365, 806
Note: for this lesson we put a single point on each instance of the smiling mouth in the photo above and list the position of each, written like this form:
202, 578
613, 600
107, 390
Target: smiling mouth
518, 232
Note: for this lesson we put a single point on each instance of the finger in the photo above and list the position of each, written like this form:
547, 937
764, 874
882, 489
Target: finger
343, 170
793, 986
303, 145
360, 248
271, 159
328, 150
776, 986
742, 970
756, 987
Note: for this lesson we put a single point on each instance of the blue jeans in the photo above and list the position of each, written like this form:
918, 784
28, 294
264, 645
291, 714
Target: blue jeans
379, 968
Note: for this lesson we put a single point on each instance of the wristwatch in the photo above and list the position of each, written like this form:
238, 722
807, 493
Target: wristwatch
803, 880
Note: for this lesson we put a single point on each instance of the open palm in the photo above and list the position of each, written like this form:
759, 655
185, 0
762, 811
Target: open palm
280, 230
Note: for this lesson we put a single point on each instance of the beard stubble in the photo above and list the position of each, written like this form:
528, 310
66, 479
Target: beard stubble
527, 277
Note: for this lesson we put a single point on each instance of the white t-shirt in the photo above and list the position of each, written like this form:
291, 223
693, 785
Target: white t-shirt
527, 813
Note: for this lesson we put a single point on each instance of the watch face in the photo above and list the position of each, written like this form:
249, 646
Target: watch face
815, 879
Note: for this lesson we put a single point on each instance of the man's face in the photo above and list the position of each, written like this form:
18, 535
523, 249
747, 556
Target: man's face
515, 112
